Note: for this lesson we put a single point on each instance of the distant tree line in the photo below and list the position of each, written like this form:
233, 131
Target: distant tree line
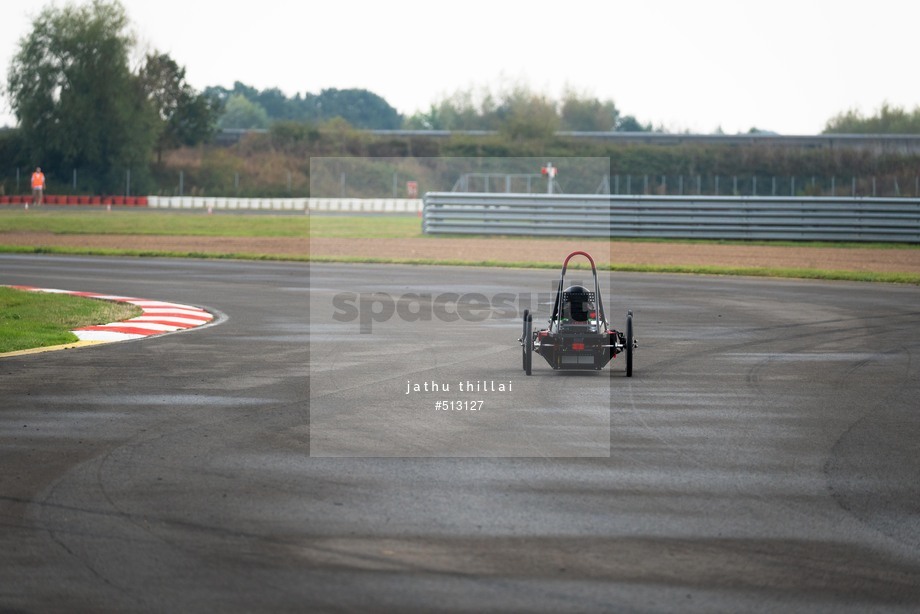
244, 107
516, 111
887, 120
84, 109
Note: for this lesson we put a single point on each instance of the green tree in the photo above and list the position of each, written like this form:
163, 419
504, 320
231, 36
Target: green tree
425, 120
584, 114
78, 104
519, 112
888, 120
360, 108
462, 112
186, 117
242, 114
11, 152
524, 114
628, 123
222, 94
275, 103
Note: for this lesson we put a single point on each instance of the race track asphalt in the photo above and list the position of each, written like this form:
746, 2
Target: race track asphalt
764, 457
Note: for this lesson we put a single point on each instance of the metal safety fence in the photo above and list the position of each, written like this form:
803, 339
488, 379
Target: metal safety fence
687, 217
305, 205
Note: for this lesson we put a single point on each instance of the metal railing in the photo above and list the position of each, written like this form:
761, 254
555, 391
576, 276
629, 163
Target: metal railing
685, 217
305, 205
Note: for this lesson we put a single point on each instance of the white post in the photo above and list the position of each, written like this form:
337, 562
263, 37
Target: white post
550, 171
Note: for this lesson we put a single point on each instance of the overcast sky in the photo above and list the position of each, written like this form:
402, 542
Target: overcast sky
783, 65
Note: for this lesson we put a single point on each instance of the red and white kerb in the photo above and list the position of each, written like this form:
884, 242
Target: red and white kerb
158, 317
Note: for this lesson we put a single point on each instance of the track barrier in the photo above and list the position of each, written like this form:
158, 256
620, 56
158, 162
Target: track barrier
685, 217
330, 205
63, 199
225, 203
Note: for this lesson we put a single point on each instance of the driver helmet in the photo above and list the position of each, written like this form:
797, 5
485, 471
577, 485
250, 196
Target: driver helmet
579, 303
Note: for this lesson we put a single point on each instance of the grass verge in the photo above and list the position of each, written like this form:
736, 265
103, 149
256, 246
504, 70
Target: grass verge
789, 273
202, 225
38, 319
385, 226
153, 222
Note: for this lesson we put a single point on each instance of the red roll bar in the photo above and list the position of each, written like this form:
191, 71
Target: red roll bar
579, 253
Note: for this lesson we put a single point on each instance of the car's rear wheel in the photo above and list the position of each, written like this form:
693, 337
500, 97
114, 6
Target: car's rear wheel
629, 344
524, 341
528, 343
